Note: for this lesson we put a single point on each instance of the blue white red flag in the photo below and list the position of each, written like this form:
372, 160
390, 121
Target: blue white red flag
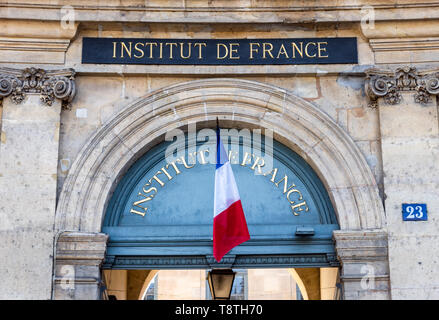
229, 224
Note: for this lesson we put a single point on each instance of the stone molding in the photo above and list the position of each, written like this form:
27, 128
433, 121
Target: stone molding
405, 50
357, 246
79, 256
50, 84
33, 50
236, 11
229, 261
297, 123
388, 85
36, 41
32, 44
363, 255
398, 44
76, 246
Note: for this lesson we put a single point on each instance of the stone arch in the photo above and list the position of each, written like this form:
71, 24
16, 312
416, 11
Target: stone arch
296, 123
146, 283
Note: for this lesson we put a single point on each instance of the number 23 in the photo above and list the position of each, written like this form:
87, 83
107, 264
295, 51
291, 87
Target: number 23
411, 210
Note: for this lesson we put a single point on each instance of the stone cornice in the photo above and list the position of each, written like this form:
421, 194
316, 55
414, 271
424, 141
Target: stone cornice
388, 85
33, 41
280, 11
33, 28
77, 247
362, 245
50, 84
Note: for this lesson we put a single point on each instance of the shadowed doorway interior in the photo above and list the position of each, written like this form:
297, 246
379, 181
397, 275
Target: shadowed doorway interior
159, 218
249, 284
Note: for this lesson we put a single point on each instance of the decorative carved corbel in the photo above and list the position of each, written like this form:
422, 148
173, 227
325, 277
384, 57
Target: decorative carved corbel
51, 85
389, 84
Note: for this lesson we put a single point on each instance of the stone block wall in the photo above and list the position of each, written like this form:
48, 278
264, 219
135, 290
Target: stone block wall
400, 142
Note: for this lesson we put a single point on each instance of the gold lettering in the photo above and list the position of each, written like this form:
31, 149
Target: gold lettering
177, 171
150, 44
140, 50
136, 203
320, 49
285, 183
218, 51
200, 45
283, 51
306, 50
149, 190
189, 50
259, 162
170, 48
294, 191
157, 179
166, 173
267, 50
161, 51
295, 47
146, 199
299, 205
138, 212
201, 153
232, 50
193, 157
245, 160
251, 48
114, 49
124, 46
273, 175
183, 160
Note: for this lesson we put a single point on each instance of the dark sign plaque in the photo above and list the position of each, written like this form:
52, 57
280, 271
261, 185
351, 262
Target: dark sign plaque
219, 51
414, 212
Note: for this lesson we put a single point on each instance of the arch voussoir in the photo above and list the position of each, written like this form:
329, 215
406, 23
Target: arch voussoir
296, 123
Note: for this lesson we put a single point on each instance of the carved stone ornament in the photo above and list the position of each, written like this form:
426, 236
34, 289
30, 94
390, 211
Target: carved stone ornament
51, 84
389, 84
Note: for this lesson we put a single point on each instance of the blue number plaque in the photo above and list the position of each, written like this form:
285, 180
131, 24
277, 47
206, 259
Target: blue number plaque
414, 212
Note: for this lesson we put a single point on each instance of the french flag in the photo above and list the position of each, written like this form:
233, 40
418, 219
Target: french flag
229, 225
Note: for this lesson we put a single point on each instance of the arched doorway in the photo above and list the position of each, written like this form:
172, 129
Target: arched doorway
298, 125
160, 214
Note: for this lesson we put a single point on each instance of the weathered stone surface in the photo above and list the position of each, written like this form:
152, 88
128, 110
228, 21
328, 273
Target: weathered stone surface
365, 266
35, 41
364, 156
29, 151
363, 123
410, 151
230, 12
78, 258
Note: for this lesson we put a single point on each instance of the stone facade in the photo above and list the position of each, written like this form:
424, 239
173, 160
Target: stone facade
370, 130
